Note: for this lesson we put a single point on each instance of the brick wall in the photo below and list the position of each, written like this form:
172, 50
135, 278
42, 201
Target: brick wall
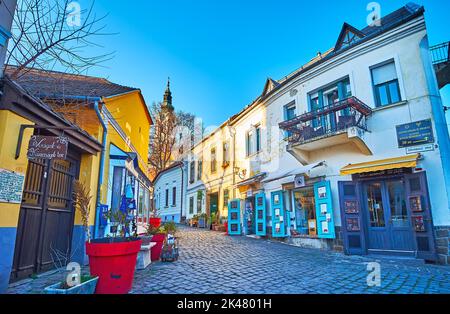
442, 235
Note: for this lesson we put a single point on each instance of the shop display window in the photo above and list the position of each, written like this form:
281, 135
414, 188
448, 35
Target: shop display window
305, 211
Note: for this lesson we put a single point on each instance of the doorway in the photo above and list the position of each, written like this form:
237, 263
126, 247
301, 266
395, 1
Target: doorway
44, 234
389, 222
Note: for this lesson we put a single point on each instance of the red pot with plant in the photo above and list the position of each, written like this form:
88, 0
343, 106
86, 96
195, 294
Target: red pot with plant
156, 250
113, 260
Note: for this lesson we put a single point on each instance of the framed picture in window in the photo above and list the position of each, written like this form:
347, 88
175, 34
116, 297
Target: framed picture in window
234, 216
419, 224
416, 204
353, 225
276, 199
351, 207
322, 191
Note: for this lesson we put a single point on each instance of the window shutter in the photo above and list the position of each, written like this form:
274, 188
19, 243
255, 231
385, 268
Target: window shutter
384, 73
324, 210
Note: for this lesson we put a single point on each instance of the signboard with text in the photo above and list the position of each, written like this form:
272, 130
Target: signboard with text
48, 147
415, 134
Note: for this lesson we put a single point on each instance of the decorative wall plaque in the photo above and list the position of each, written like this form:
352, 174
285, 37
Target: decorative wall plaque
11, 186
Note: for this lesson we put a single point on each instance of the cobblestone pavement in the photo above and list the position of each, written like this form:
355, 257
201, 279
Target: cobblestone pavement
211, 263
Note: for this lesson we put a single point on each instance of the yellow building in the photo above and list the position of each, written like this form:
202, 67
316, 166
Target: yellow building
108, 129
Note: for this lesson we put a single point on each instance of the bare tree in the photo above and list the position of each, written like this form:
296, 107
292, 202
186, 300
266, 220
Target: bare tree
171, 136
162, 138
54, 33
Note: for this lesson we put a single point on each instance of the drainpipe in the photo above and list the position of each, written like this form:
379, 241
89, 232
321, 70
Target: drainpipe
101, 168
438, 113
232, 131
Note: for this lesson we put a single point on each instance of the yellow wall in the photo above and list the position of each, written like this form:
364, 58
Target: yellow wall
9, 133
130, 113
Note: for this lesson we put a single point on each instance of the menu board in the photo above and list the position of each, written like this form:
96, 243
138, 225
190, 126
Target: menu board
11, 186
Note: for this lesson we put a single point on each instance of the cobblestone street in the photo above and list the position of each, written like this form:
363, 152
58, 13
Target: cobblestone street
211, 263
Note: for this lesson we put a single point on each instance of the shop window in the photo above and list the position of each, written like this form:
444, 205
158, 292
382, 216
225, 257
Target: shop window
305, 211
385, 84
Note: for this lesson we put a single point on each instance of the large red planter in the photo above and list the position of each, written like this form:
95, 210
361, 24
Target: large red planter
156, 250
114, 264
155, 222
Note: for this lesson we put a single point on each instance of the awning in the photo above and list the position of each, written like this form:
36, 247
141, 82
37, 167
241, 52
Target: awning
252, 180
409, 161
293, 173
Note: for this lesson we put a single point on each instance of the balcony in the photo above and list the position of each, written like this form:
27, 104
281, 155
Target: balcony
440, 55
343, 122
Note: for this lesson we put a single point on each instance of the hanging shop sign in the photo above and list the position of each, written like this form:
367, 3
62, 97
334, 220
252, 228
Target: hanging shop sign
300, 181
48, 147
415, 134
11, 186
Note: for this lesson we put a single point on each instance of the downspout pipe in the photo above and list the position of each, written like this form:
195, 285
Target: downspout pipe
438, 113
101, 168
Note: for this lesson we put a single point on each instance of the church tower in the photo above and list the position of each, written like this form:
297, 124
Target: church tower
167, 103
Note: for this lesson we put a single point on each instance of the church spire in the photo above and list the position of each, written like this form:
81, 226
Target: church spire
167, 103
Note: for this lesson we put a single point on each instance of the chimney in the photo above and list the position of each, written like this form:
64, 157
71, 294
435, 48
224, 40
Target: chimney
7, 9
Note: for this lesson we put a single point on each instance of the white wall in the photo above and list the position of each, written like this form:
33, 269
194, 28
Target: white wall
168, 180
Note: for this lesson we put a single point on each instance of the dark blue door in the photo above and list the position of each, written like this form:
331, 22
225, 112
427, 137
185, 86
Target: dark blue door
234, 217
389, 223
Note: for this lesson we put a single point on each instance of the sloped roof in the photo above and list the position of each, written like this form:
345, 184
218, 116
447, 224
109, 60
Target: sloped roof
42, 83
169, 168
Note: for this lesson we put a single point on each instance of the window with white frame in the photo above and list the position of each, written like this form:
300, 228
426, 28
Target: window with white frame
192, 172
200, 169
191, 205
253, 141
385, 84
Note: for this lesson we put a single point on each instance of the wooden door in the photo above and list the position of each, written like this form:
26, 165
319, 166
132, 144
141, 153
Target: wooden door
44, 235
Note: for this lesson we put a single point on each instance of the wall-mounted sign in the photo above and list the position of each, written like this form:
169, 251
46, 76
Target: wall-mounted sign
48, 147
414, 134
11, 186
419, 225
103, 214
415, 202
420, 149
381, 174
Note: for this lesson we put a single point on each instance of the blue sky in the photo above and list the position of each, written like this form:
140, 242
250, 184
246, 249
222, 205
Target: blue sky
218, 54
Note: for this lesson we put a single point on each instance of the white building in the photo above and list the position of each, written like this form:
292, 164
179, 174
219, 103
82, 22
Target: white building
351, 151
169, 188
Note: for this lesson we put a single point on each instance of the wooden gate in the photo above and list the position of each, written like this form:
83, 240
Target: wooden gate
44, 233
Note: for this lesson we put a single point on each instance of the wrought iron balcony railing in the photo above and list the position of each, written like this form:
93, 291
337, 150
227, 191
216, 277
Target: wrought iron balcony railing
327, 121
440, 53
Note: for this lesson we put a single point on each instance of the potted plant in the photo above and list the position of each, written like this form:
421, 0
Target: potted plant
214, 221
75, 283
113, 259
158, 236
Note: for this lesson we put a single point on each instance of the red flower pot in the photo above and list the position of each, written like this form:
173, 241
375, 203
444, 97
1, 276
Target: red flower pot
113, 263
155, 222
156, 250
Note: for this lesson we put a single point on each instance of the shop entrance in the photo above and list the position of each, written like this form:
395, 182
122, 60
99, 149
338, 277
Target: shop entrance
389, 223
213, 203
44, 234
249, 216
